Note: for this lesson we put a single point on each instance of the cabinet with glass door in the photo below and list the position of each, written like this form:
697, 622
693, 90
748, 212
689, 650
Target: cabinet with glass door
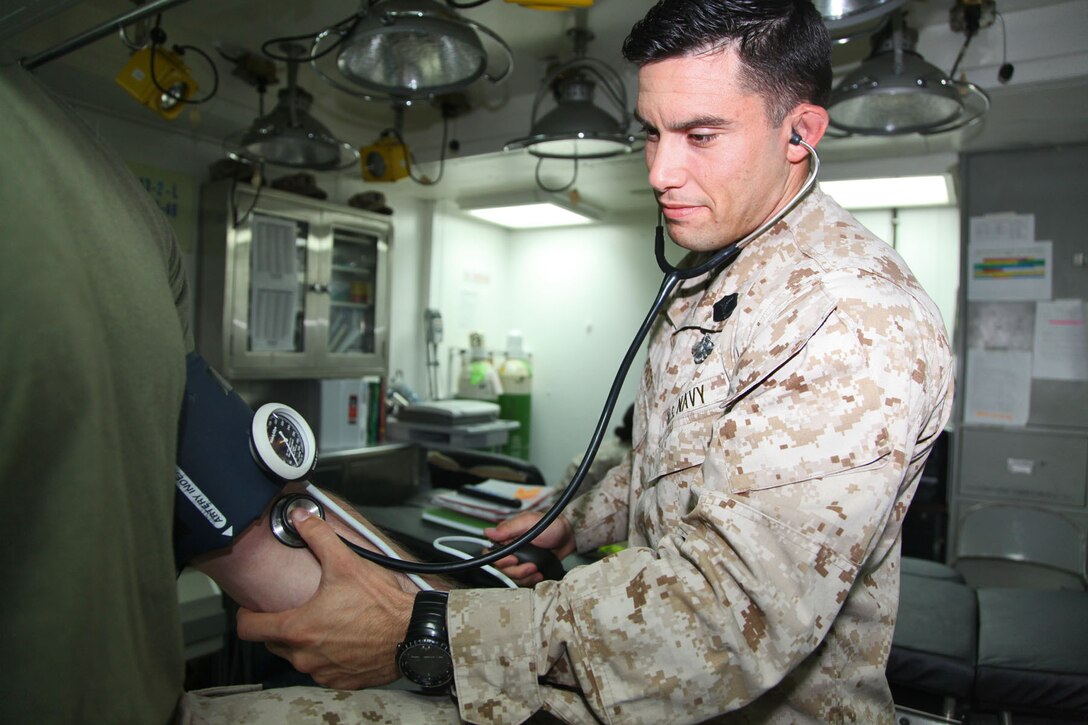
291, 287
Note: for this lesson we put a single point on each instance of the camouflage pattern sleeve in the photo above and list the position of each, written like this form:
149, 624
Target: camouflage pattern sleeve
493, 642
599, 515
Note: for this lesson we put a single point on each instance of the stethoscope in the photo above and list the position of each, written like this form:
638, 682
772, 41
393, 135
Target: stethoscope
673, 277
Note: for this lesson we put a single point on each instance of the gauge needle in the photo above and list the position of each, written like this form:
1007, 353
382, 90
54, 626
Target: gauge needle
287, 447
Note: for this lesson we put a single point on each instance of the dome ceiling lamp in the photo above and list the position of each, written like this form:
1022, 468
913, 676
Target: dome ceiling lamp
848, 20
289, 136
398, 50
577, 128
896, 92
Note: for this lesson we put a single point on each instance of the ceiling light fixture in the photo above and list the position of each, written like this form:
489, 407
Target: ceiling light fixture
896, 92
289, 136
576, 128
891, 192
407, 49
529, 211
848, 20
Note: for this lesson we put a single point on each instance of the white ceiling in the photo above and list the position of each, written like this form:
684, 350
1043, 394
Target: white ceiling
1046, 102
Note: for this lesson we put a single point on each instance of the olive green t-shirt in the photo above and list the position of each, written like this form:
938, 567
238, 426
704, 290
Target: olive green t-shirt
93, 303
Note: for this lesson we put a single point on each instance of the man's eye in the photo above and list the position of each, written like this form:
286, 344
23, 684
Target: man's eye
701, 139
649, 133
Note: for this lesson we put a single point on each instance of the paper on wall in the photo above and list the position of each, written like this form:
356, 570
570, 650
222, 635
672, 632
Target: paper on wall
1010, 271
1002, 228
998, 387
1061, 343
1001, 325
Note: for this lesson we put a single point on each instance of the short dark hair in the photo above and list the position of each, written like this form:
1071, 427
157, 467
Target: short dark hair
783, 44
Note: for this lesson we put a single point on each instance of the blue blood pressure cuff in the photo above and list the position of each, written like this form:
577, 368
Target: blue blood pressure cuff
221, 488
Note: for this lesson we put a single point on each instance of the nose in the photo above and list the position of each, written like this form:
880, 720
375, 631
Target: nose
664, 160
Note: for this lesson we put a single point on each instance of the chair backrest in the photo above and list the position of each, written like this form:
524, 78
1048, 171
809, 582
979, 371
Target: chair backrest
1019, 546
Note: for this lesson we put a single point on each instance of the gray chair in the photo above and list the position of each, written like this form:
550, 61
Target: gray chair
1033, 653
931, 665
1000, 545
960, 652
913, 566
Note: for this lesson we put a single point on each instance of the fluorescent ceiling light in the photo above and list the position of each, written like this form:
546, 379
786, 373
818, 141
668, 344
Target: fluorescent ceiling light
890, 193
531, 212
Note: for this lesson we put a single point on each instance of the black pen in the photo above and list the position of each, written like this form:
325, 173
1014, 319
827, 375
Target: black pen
492, 497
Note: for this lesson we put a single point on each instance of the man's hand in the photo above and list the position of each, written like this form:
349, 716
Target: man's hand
558, 538
346, 636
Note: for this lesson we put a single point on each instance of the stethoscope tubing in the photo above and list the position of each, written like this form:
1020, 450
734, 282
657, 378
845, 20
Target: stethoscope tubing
673, 277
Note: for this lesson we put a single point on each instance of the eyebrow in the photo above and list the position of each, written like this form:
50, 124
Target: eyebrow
706, 121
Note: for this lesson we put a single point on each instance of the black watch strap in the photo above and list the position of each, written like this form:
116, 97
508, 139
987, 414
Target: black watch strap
427, 638
429, 616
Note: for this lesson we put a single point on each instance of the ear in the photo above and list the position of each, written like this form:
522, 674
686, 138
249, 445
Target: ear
809, 122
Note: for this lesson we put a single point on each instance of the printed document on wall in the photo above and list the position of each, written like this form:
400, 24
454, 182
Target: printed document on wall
998, 387
1002, 228
1061, 344
1010, 271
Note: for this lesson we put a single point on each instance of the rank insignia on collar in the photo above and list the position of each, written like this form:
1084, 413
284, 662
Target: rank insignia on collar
701, 350
724, 307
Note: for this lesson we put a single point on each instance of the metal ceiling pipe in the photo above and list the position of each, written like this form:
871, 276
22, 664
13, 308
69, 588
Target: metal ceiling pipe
99, 31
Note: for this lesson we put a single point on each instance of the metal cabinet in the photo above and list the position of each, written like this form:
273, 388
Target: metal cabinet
1041, 468
291, 287
1033, 466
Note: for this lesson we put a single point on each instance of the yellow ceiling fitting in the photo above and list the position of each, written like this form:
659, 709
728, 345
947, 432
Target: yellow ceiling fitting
167, 92
384, 160
552, 4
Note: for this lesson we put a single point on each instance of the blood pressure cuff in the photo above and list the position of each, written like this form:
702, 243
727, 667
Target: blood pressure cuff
220, 487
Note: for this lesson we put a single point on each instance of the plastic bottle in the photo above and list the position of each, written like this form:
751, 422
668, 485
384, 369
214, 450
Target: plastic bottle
515, 402
478, 379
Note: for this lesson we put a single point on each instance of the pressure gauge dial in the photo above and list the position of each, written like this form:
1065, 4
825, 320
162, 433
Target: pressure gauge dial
283, 442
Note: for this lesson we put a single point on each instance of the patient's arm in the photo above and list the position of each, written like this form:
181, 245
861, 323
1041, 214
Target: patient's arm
260, 573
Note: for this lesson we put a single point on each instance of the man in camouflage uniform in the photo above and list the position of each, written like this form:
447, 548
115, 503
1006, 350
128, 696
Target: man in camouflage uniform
784, 416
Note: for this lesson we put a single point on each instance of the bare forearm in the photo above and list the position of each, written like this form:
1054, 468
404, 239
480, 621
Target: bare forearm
264, 575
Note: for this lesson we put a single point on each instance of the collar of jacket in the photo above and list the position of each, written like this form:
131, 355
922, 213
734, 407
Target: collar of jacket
692, 304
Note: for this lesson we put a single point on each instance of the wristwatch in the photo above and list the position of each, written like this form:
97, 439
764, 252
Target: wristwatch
424, 655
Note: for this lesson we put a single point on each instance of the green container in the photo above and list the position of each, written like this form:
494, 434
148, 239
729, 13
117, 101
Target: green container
515, 403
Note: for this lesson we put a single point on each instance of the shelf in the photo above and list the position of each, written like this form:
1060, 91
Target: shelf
353, 305
357, 271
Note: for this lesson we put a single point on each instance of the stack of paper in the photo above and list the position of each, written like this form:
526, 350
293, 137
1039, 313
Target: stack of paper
474, 507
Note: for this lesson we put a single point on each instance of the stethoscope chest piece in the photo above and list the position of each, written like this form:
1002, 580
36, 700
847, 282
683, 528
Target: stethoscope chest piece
280, 517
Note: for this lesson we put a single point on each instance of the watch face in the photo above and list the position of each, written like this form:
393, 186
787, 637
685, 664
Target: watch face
426, 664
